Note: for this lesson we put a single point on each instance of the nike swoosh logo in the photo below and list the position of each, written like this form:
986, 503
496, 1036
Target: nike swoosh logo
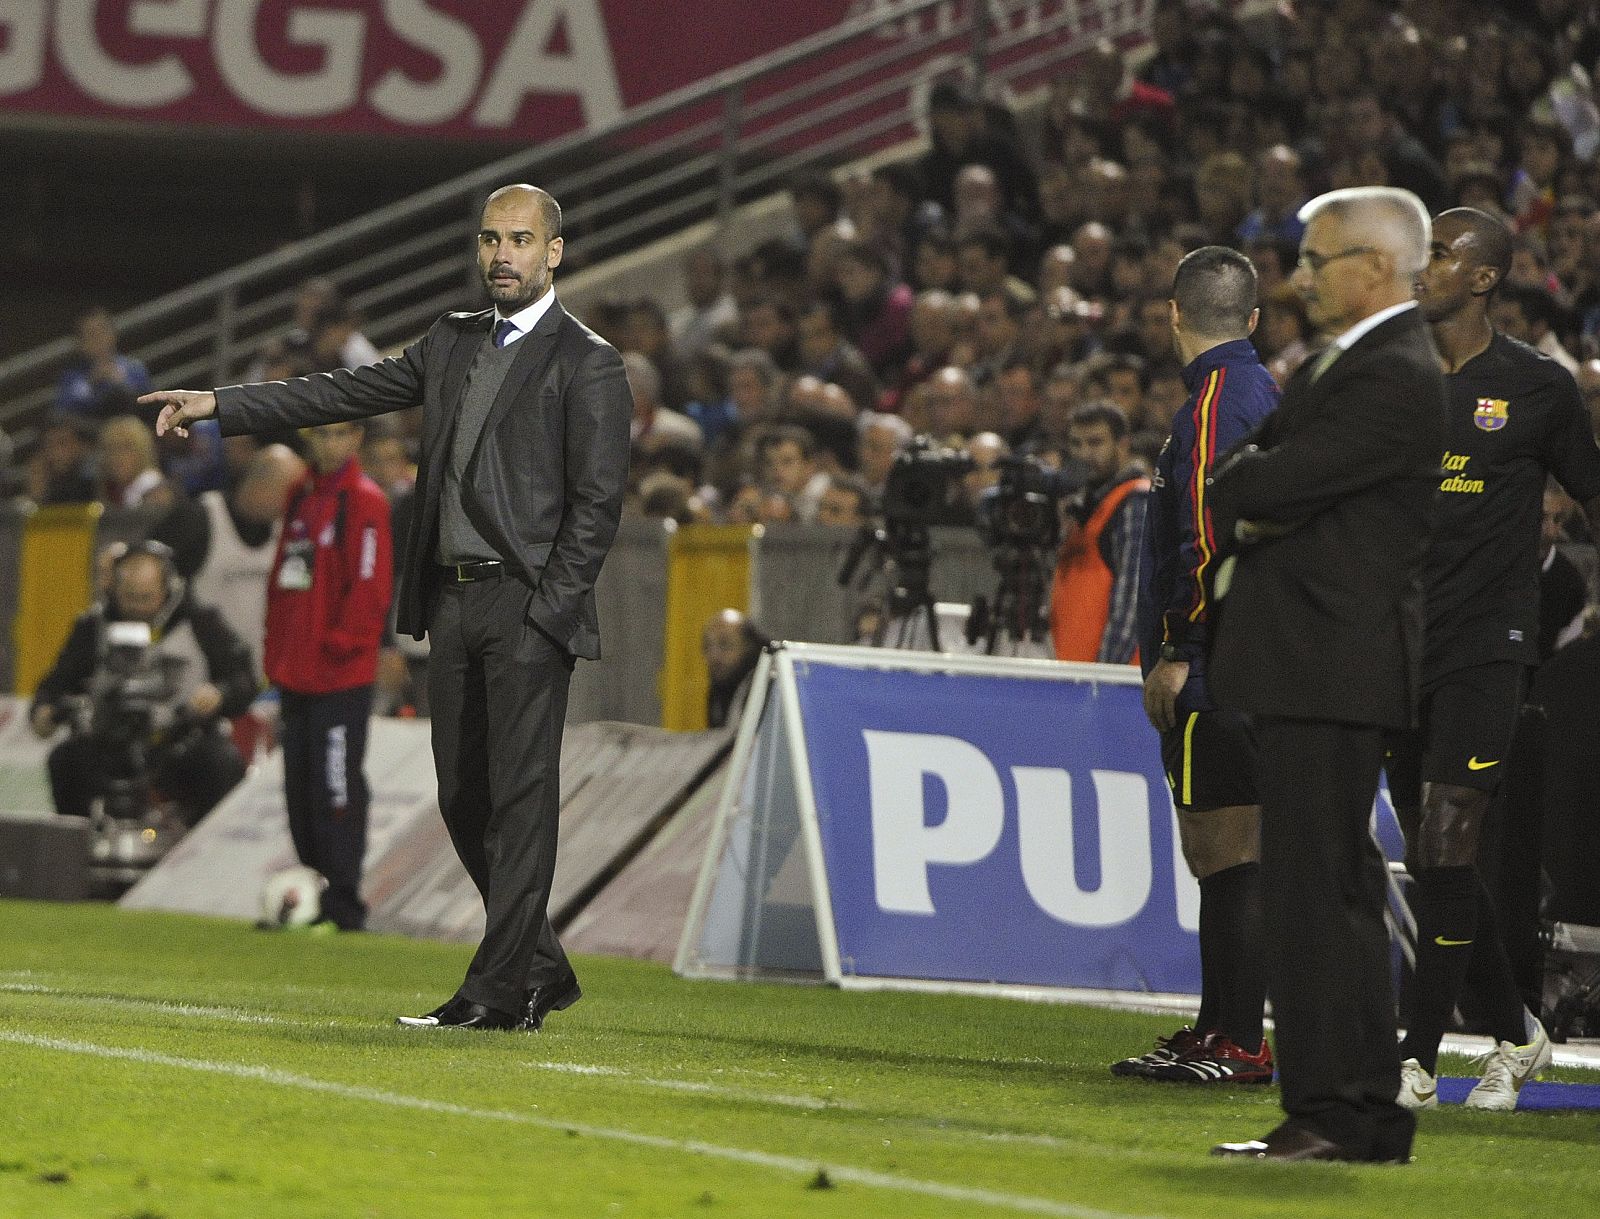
1421, 1095
1444, 943
1474, 764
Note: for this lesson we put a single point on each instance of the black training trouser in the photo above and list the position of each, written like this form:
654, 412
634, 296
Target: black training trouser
324, 745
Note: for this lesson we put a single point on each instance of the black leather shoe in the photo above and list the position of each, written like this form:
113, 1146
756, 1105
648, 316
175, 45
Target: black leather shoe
466, 1015
551, 997
1289, 1144
430, 1019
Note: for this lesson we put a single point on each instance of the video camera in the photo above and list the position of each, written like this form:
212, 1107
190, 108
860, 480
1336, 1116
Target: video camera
923, 489
130, 712
924, 486
1020, 520
1023, 509
131, 715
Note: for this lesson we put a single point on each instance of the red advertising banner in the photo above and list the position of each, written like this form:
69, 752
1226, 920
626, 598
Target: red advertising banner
506, 70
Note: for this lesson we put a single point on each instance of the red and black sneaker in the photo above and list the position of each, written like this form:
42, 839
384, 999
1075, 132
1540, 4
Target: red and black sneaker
1168, 1050
1216, 1061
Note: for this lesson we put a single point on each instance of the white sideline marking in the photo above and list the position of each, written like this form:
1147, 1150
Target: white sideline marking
703, 1089
237, 1015
739, 1155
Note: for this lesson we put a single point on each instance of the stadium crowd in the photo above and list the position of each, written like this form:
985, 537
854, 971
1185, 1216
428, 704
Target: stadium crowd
1012, 276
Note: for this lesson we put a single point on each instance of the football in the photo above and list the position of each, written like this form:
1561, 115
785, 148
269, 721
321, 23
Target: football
292, 897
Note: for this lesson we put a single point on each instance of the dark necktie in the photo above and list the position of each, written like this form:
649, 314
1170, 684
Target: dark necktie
503, 330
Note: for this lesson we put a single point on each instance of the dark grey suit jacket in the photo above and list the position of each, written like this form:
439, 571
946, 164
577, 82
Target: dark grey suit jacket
544, 485
1325, 622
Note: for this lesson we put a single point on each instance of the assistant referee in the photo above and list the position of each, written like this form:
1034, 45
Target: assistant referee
1514, 417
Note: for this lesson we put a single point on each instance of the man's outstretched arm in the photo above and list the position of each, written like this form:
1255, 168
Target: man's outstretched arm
180, 408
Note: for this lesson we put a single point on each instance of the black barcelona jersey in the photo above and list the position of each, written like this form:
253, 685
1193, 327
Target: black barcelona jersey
1515, 416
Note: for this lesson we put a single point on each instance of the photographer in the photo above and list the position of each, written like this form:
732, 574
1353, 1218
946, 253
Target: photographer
156, 692
1093, 600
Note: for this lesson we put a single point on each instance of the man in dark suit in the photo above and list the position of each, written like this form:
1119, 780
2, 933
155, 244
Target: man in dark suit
519, 489
1319, 642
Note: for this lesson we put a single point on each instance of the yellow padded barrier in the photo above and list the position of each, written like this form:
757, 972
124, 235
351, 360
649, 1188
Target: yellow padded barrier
55, 583
708, 569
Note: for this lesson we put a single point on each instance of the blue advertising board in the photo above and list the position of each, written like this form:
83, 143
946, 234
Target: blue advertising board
996, 827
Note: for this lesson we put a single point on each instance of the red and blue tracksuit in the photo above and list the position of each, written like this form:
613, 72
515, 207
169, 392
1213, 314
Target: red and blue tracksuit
327, 604
1230, 395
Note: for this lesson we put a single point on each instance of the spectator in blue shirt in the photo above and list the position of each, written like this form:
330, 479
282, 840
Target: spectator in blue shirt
101, 382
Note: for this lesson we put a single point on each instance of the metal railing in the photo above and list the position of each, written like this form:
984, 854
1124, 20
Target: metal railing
690, 155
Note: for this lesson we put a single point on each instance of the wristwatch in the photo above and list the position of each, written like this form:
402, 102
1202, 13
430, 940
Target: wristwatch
1171, 651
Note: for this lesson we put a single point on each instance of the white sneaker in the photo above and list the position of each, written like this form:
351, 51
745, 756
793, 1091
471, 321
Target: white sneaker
1506, 1068
1418, 1089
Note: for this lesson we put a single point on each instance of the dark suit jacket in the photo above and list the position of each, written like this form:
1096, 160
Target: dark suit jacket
544, 485
1325, 621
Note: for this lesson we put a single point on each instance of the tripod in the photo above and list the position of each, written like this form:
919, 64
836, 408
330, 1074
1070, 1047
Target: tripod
1020, 608
902, 554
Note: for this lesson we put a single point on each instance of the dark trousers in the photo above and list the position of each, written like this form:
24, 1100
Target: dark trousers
324, 745
498, 690
196, 775
1323, 893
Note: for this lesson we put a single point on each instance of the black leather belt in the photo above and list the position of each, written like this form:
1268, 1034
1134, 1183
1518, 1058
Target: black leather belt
466, 573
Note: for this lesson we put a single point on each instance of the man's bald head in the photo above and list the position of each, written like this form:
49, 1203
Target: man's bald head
1490, 240
264, 487
139, 586
521, 192
727, 642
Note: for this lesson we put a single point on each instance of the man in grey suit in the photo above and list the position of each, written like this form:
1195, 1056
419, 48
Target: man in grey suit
519, 489
1319, 641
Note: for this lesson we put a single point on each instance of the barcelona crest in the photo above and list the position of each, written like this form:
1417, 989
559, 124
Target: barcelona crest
1491, 414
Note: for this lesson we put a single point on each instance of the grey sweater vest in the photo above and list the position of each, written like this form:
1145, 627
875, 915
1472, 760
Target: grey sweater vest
459, 542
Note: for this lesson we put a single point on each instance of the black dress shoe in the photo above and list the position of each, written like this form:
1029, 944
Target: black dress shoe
1288, 1143
551, 997
428, 1020
467, 1015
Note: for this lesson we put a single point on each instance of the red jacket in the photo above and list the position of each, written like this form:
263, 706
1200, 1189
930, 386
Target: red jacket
328, 598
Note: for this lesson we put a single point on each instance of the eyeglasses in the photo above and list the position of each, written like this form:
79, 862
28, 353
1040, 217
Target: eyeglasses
1314, 262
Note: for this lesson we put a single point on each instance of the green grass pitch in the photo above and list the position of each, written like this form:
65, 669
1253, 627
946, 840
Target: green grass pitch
163, 1066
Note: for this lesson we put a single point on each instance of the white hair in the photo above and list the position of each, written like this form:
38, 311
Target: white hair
1393, 220
868, 420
